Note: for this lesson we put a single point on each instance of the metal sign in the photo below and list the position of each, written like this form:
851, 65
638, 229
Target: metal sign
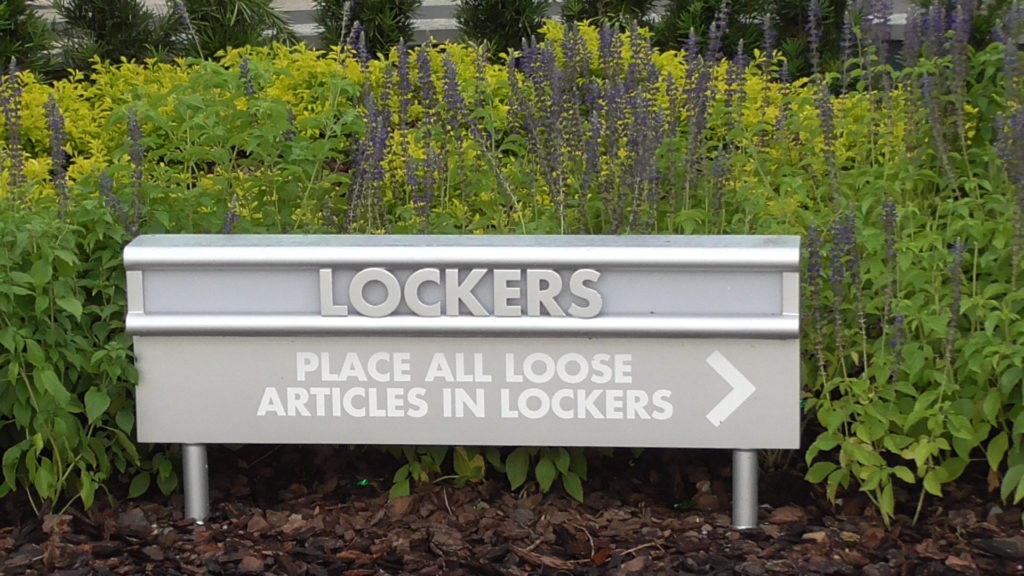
645, 341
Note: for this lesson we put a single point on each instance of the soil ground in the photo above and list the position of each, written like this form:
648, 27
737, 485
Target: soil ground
325, 510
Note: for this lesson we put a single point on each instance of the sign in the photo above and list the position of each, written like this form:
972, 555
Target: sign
645, 341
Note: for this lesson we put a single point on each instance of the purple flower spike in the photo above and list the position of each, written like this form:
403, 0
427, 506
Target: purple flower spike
58, 155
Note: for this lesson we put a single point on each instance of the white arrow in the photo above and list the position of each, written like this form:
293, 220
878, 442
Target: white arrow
741, 388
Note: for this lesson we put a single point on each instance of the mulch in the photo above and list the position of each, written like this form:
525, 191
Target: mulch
325, 511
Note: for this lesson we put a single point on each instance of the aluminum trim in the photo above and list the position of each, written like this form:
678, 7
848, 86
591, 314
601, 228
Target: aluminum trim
746, 252
134, 287
791, 293
766, 327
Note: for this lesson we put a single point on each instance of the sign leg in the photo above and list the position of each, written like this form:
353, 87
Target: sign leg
197, 482
744, 489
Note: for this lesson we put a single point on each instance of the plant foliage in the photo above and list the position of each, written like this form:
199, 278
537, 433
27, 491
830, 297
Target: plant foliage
908, 187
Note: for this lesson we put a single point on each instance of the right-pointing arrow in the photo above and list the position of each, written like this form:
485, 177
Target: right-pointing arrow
741, 388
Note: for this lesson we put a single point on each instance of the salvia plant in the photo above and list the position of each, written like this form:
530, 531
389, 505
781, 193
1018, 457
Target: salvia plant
905, 183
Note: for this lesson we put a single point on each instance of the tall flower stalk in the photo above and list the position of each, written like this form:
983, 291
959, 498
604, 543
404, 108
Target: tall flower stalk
58, 154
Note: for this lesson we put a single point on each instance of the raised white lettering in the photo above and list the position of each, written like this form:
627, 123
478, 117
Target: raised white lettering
542, 286
392, 297
271, 402
457, 292
591, 297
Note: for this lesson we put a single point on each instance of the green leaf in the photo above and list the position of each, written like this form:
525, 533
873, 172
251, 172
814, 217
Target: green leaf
573, 486
139, 485
400, 489
42, 305
45, 480
472, 469
562, 460
952, 468
996, 450
905, 474
20, 278
35, 353
887, 501
960, 426
167, 483
47, 380
125, 420
546, 472
517, 467
7, 338
401, 474
819, 471
932, 484
1012, 481
11, 459
96, 403
41, 273
1009, 380
87, 491
72, 305
494, 459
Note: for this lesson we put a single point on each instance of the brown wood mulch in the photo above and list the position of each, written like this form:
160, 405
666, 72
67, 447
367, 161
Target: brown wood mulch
325, 511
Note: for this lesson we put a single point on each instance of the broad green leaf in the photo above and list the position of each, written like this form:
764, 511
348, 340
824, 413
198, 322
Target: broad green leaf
11, 459
42, 305
401, 474
952, 468
960, 426
573, 486
996, 450
125, 420
45, 480
905, 474
139, 485
41, 273
7, 338
35, 353
932, 484
546, 473
494, 459
887, 501
167, 483
96, 403
470, 468
72, 305
20, 278
1012, 482
47, 380
819, 471
399, 489
517, 467
562, 460
87, 491
1009, 380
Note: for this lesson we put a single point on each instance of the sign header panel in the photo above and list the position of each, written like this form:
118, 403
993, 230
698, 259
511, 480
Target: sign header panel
590, 341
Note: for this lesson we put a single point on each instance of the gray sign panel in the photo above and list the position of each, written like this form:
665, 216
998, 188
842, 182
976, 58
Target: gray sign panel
588, 341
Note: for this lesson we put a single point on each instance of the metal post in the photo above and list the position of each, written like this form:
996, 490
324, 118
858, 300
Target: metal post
197, 482
744, 489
